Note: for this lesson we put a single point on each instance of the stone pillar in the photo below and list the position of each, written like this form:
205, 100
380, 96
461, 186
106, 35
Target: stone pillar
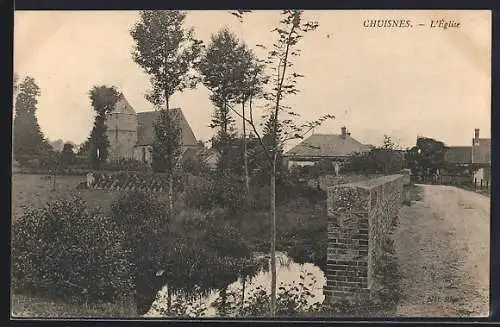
347, 252
406, 185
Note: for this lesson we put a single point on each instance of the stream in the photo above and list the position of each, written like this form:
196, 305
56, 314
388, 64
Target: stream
288, 272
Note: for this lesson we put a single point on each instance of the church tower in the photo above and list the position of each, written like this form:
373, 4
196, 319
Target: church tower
122, 130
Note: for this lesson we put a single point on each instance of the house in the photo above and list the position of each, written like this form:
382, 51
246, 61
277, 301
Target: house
481, 157
458, 155
317, 147
131, 133
476, 157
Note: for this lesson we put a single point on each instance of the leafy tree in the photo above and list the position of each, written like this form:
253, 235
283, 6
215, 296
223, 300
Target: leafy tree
68, 154
386, 159
103, 100
283, 127
167, 51
28, 139
249, 87
427, 155
222, 73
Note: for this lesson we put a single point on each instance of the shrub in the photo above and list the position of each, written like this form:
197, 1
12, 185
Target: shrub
126, 164
64, 251
144, 220
293, 299
217, 190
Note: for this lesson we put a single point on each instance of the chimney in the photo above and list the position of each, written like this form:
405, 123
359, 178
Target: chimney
476, 133
343, 131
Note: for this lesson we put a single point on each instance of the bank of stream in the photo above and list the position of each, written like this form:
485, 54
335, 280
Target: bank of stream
288, 272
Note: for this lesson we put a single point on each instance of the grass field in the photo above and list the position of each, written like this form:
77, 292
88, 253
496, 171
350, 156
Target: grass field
35, 190
35, 307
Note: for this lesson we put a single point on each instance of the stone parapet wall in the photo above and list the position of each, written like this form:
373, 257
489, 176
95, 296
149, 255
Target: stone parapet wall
360, 216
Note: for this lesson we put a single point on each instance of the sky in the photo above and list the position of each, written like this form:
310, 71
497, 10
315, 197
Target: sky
402, 82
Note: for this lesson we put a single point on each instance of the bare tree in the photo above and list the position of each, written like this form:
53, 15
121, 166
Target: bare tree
282, 126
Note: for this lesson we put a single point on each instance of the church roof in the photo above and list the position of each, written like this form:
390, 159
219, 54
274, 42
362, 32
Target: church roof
123, 106
145, 129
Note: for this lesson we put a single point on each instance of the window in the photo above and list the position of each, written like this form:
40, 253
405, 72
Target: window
143, 154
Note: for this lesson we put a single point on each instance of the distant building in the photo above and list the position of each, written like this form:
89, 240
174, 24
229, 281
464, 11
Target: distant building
131, 133
334, 147
481, 157
477, 156
460, 155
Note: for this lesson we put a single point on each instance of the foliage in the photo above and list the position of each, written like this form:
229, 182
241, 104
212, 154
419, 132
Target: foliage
64, 251
68, 156
167, 142
28, 140
293, 299
143, 220
283, 82
166, 51
125, 164
427, 156
223, 68
217, 190
103, 99
377, 161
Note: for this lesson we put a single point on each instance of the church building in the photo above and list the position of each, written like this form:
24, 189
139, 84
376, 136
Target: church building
131, 133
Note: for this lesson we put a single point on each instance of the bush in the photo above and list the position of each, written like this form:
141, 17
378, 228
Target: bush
64, 251
293, 299
217, 190
144, 220
126, 164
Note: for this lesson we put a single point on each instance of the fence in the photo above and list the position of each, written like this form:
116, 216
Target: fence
458, 180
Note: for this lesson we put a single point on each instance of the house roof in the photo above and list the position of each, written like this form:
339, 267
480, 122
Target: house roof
481, 153
145, 129
458, 154
327, 145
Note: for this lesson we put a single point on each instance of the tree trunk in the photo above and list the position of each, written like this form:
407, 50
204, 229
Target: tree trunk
54, 181
169, 301
273, 238
245, 155
243, 293
170, 194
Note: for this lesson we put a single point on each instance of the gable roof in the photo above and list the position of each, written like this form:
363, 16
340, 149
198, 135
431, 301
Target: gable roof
123, 106
458, 154
145, 127
482, 153
327, 145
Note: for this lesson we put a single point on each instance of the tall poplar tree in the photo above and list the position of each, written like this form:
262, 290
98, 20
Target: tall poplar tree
103, 100
166, 51
28, 140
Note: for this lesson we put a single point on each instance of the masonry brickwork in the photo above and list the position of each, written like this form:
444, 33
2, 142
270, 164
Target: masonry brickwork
360, 216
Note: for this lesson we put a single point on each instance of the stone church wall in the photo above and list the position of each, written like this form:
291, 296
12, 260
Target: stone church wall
122, 135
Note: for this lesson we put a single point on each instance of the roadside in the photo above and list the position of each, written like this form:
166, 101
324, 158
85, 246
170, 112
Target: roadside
442, 244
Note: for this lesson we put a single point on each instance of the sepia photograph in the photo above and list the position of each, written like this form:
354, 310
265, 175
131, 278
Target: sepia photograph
250, 164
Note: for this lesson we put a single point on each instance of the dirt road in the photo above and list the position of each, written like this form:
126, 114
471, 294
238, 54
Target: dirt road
443, 243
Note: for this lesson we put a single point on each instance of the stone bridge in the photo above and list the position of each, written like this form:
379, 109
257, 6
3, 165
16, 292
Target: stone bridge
360, 217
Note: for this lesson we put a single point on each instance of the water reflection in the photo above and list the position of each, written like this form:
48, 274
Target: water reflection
288, 272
